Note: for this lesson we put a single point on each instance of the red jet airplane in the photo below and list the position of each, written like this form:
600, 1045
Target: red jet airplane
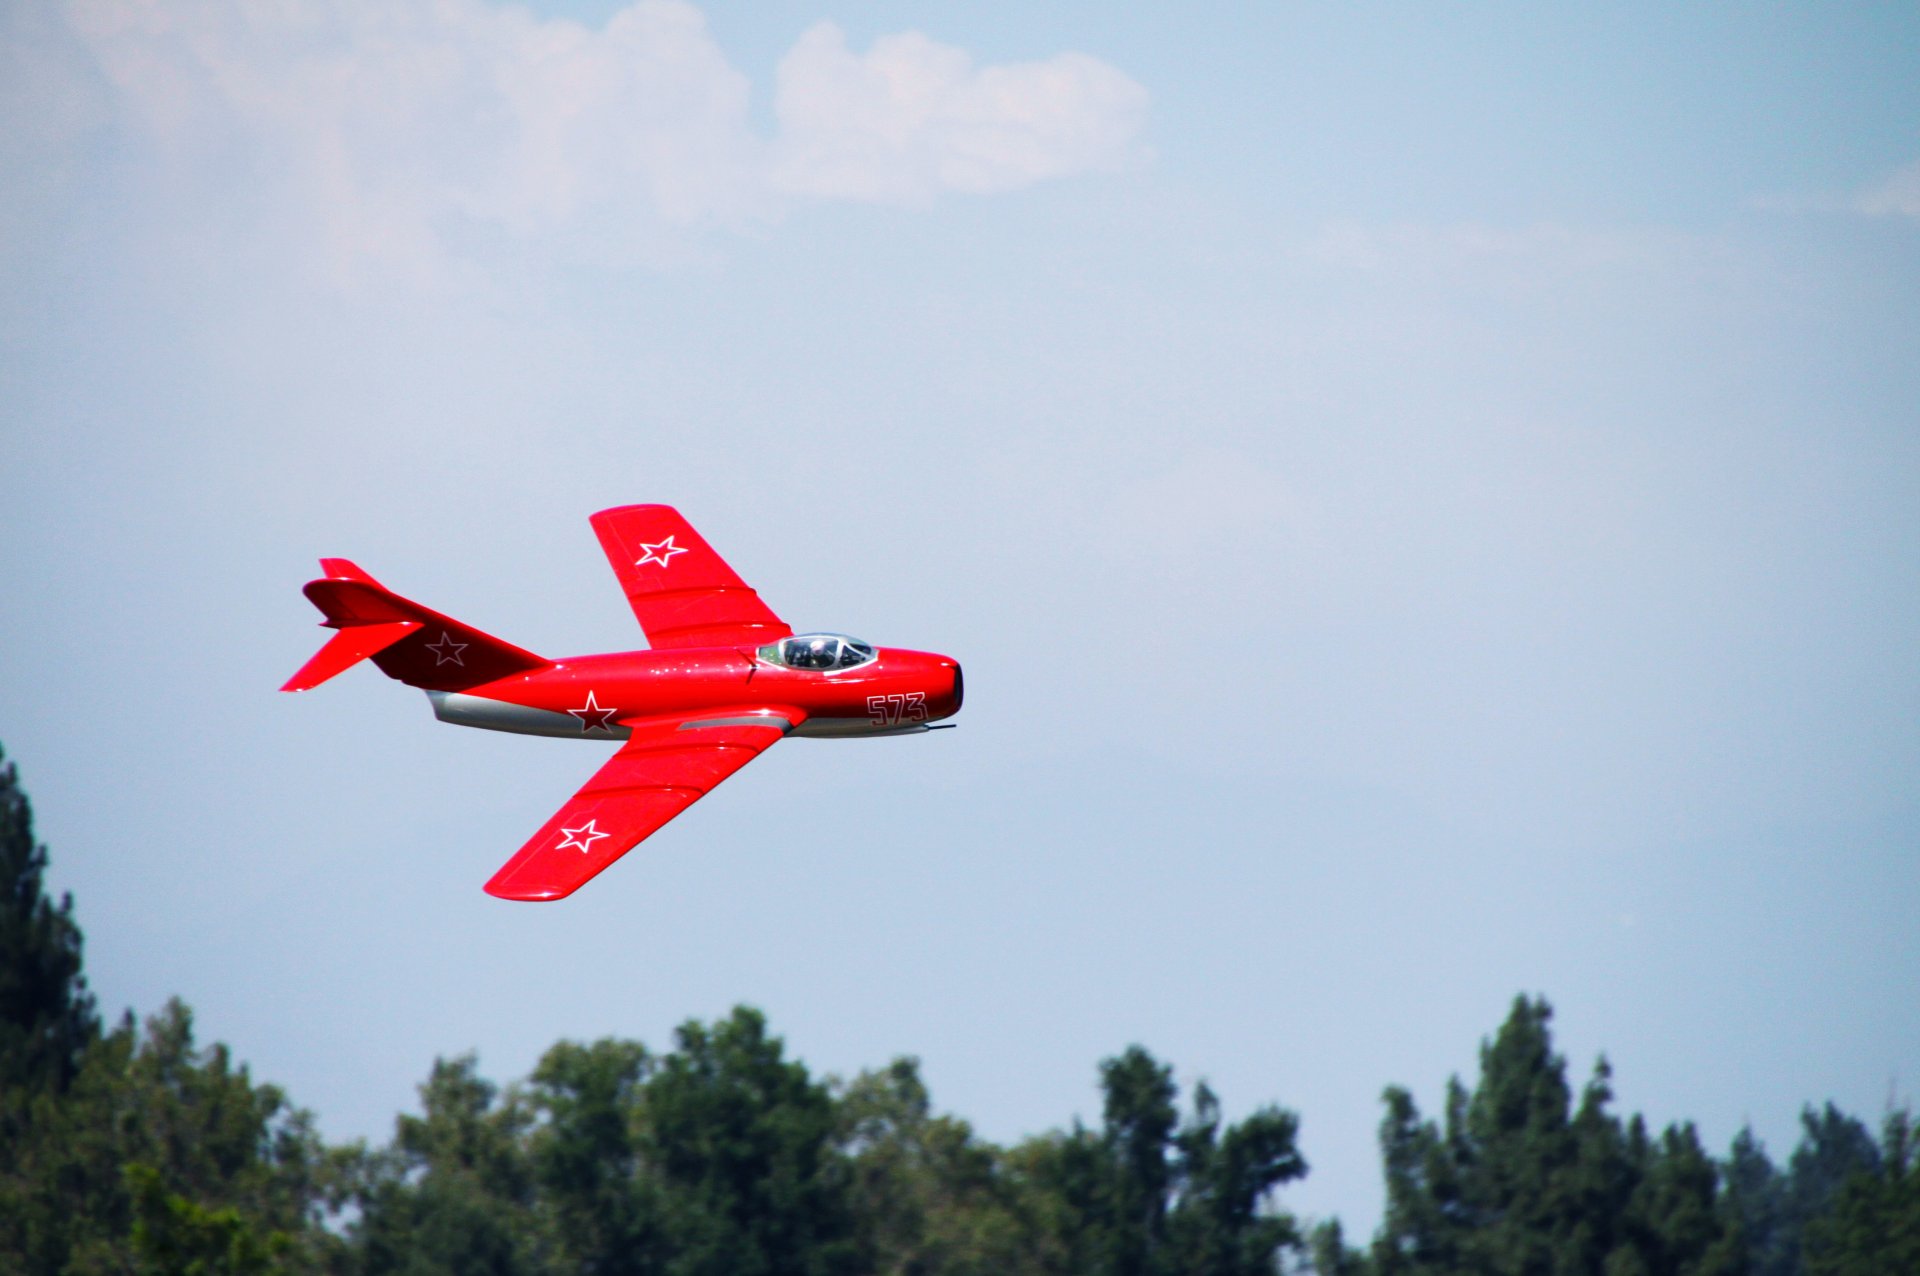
724, 678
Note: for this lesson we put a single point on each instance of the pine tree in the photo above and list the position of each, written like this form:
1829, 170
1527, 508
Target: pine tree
1511, 1182
1873, 1227
1140, 1120
1151, 1194
163, 1156
1219, 1224
46, 1014
1754, 1204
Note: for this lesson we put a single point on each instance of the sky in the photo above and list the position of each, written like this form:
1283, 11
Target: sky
1427, 499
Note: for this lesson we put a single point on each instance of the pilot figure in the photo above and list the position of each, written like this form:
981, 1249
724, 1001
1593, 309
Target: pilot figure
820, 654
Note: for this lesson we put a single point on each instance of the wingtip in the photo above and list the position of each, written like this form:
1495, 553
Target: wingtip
345, 569
523, 896
613, 510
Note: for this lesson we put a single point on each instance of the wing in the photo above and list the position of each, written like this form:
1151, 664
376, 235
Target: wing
664, 768
683, 593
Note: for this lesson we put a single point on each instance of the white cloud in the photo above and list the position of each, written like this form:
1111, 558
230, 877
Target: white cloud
1898, 195
387, 129
914, 118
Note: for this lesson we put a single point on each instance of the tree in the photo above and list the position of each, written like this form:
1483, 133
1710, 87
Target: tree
1140, 1119
599, 1207
453, 1194
1154, 1195
132, 1150
1219, 1224
1671, 1223
46, 1014
1754, 1204
1514, 1181
1873, 1227
740, 1144
928, 1198
1506, 1182
1060, 1190
175, 1236
1833, 1149
158, 1148
1425, 1217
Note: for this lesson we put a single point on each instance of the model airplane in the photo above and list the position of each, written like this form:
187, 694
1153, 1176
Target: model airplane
724, 678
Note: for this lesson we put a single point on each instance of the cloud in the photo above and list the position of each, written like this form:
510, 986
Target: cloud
914, 118
1897, 196
393, 132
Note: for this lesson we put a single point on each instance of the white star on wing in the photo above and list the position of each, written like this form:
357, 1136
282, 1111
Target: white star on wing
660, 552
447, 650
583, 837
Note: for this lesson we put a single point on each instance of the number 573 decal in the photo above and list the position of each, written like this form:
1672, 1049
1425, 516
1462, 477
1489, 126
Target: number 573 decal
896, 711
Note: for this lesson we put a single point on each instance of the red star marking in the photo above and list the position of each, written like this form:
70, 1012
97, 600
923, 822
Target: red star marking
447, 650
592, 716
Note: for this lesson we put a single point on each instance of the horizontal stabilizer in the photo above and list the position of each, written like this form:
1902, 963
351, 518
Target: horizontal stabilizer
414, 644
347, 649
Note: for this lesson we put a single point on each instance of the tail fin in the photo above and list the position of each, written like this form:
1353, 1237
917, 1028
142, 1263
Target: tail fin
418, 646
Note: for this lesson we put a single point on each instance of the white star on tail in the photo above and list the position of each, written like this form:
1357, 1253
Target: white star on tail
447, 650
660, 552
583, 837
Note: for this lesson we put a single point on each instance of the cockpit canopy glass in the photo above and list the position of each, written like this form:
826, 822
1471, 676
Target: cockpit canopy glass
817, 651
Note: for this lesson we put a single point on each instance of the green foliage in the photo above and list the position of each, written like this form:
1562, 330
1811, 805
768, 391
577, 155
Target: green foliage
1140, 1121
453, 1192
927, 1197
599, 1210
1754, 1204
46, 1016
1772, 1209
740, 1141
156, 1151
717, 1157
1873, 1227
1153, 1195
174, 1236
1516, 1181
1510, 1181
1219, 1224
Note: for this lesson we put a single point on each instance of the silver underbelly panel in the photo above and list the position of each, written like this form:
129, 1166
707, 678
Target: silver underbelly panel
850, 728
497, 715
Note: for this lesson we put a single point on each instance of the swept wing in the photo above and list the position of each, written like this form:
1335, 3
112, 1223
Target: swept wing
665, 767
683, 594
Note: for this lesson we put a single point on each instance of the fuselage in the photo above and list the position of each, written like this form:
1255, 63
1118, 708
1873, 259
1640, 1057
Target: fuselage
585, 697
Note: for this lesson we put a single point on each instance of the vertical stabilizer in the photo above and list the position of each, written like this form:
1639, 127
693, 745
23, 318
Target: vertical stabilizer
408, 642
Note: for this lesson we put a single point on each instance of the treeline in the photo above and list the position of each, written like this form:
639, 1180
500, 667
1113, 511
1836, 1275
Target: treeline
130, 1149
1516, 1177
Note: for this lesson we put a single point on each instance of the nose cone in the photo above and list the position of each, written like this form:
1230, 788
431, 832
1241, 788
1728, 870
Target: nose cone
932, 679
943, 702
